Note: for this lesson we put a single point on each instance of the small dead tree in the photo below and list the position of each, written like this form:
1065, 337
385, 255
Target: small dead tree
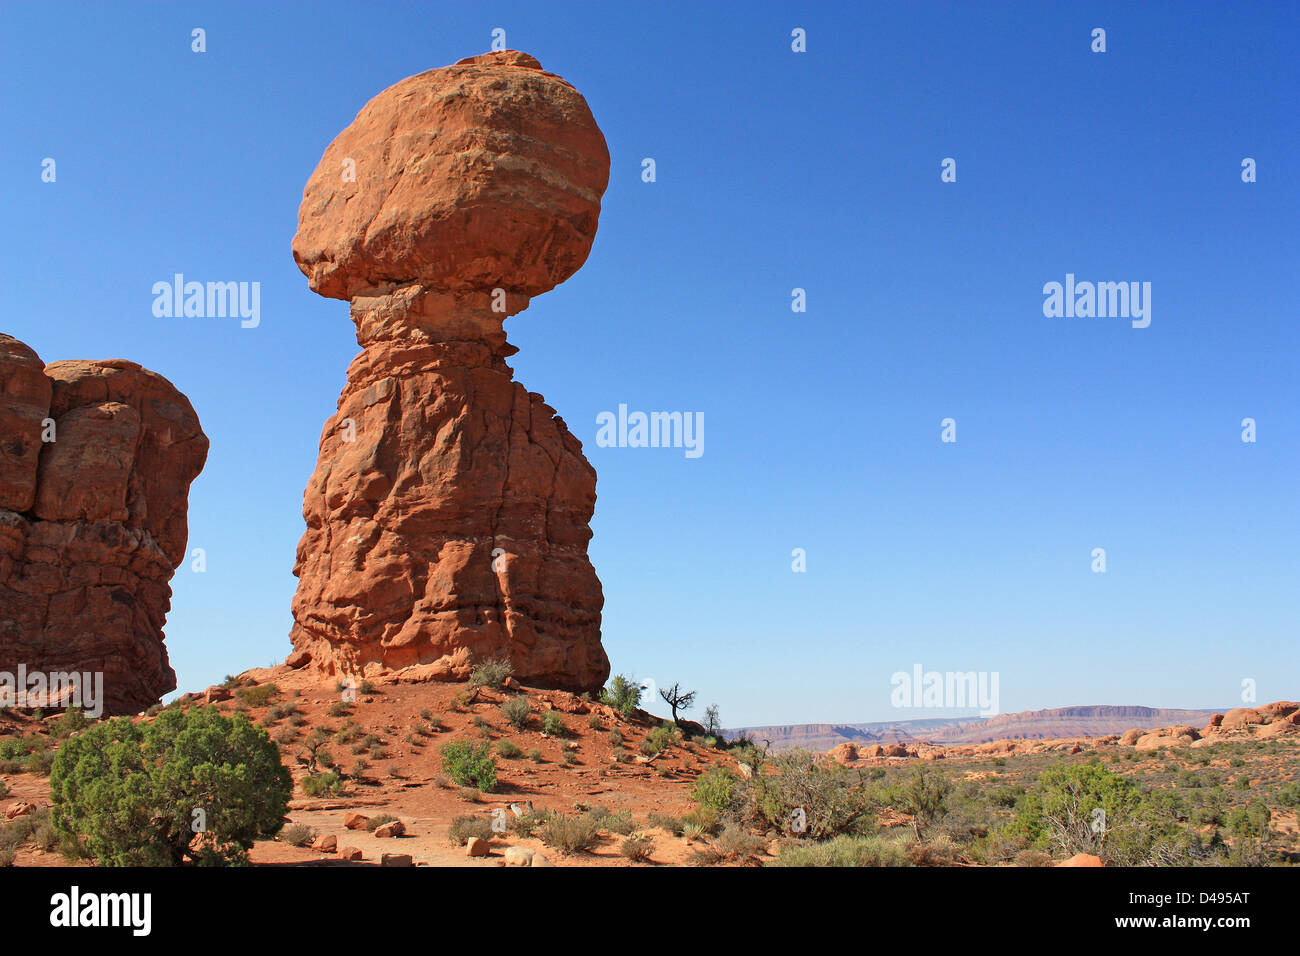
677, 699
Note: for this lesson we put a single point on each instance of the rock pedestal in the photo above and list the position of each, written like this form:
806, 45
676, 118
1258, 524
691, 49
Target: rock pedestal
447, 519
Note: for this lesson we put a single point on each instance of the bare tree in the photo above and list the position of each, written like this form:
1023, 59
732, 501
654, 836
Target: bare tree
676, 699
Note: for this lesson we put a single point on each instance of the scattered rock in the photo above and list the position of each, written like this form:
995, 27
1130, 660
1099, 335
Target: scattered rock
19, 809
477, 847
539, 860
395, 859
1082, 859
389, 830
519, 856
356, 821
326, 844
350, 853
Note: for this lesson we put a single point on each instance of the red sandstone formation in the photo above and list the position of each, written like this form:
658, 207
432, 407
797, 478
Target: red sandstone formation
447, 519
92, 523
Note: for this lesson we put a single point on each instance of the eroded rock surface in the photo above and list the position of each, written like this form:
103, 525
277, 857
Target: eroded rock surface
93, 522
448, 516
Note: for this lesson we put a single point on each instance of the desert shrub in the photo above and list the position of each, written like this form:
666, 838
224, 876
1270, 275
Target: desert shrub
72, 721
623, 694
924, 796
509, 750
378, 820
1289, 795
468, 827
703, 820
259, 695
340, 708
595, 722
298, 835
845, 851
7, 857
669, 824
570, 834
491, 673
535, 754
808, 796
516, 711
470, 764
570, 757
125, 794
715, 789
660, 739
620, 822
637, 848
553, 724
736, 842
1061, 813
320, 784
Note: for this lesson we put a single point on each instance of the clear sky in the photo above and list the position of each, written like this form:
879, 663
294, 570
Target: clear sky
775, 170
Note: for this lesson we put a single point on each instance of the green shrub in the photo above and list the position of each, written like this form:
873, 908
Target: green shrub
553, 724
298, 835
516, 711
127, 794
509, 750
844, 851
570, 834
491, 673
320, 784
637, 848
623, 694
807, 796
715, 789
467, 827
660, 739
258, 695
470, 765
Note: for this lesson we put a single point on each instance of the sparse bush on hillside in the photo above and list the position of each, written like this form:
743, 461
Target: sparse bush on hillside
468, 827
924, 797
807, 796
127, 794
637, 848
298, 835
491, 673
570, 834
553, 724
517, 711
623, 694
509, 750
470, 765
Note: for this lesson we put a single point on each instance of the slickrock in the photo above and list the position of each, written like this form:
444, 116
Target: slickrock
448, 516
96, 462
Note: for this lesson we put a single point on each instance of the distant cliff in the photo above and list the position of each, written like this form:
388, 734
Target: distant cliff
1092, 721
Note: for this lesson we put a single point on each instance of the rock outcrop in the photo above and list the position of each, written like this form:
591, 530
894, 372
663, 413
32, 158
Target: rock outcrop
447, 519
96, 461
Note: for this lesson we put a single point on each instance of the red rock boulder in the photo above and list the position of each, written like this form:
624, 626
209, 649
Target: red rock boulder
95, 468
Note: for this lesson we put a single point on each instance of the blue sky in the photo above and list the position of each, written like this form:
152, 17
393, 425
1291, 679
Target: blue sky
775, 170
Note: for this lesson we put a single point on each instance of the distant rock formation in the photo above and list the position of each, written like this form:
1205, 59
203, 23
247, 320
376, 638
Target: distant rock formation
93, 522
447, 519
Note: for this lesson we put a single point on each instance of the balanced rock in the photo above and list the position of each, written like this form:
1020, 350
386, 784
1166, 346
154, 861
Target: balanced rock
96, 461
448, 516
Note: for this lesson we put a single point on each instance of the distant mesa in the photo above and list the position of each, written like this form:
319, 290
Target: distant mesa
96, 461
448, 516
